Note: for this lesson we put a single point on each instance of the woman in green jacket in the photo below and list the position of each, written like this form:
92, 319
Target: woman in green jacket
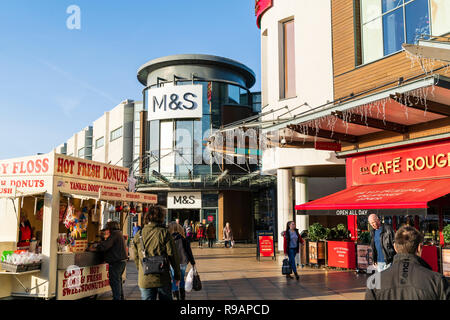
157, 242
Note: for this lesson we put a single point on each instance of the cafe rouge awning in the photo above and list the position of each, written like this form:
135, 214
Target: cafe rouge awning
406, 198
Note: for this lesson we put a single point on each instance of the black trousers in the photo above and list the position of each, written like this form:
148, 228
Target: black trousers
116, 270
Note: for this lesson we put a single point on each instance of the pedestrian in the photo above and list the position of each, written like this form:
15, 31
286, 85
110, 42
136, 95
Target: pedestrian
292, 241
115, 254
156, 241
409, 277
201, 234
177, 220
185, 256
211, 235
136, 228
382, 243
187, 230
227, 235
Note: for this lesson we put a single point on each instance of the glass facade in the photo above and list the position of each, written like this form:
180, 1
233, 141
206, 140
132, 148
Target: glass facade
178, 147
387, 24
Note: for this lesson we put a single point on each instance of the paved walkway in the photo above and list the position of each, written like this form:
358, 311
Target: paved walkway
235, 274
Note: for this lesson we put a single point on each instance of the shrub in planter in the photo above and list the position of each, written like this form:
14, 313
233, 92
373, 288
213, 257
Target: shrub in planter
317, 232
364, 237
446, 232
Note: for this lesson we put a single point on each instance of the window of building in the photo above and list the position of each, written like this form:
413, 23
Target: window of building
288, 61
184, 147
167, 154
81, 152
116, 134
100, 142
387, 24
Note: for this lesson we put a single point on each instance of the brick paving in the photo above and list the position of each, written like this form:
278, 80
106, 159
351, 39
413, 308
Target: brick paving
235, 274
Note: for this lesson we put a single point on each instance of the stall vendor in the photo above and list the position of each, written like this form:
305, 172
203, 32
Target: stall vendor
113, 248
25, 232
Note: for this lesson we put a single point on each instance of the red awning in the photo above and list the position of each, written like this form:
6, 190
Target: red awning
413, 196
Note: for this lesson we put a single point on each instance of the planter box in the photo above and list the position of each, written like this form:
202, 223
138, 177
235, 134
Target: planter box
341, 254
316, 252
305, 253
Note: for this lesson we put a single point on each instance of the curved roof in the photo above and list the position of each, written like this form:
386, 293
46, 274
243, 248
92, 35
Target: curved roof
196, 59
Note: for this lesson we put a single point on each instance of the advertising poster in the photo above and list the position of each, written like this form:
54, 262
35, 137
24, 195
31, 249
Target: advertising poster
365, 257
341, 254
265, 245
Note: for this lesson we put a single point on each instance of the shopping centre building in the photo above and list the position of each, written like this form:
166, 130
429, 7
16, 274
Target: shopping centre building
187, 97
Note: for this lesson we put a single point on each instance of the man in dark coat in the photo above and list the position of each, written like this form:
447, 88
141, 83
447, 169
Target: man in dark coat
409, 277
115, 254
382, 243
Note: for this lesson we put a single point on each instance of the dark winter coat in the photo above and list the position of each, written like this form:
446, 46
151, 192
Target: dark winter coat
409, 278
387, 243
287, 240
113, 248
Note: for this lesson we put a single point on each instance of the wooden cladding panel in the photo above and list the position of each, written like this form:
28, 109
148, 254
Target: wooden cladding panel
343, 35
348, 78
378, 73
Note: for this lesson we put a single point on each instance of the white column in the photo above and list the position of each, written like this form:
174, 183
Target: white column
50, 226
301, 196
284, 202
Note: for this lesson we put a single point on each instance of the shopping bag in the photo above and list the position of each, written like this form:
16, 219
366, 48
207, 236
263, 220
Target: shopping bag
232, 243
286, 268
196, 282
189, 281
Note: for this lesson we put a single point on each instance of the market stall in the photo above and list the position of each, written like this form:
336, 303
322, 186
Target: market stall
52, 207
408, 185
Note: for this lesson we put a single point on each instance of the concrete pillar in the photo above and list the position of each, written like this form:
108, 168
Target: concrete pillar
284, 202
301, 196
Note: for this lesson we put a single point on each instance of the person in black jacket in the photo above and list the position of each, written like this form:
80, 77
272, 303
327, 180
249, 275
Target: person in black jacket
185, 256
291, 245
382, 243
115, 254
409, 277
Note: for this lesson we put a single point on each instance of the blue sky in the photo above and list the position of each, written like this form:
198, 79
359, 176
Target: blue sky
55, 81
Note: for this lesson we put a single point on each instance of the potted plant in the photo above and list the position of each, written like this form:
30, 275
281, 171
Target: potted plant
446, 233
317, 234
364, 237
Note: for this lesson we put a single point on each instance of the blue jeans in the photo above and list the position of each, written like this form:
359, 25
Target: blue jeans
116, 270
291, 255
152, 293
183, 272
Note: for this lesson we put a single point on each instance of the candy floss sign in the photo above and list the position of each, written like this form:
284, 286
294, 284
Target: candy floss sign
28, 174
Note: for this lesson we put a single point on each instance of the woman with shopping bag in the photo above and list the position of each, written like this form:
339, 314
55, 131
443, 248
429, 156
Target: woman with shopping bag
185, 256
292, 241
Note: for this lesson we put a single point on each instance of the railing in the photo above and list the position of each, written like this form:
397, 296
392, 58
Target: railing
211, 181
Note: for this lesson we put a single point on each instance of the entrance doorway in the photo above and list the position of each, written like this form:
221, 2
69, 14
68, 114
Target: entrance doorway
184, 214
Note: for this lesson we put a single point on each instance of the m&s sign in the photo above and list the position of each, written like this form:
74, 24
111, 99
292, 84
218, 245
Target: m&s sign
174, 102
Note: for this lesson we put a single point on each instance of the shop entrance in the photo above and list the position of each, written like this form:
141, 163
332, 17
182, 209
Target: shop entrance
184, 214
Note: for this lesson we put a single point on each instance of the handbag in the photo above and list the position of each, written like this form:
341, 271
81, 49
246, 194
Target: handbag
196, 282
152, 264
286, 268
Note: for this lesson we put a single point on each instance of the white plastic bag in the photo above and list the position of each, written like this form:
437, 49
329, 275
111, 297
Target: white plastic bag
189, 281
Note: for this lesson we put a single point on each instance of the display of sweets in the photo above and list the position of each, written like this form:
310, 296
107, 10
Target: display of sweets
23, 258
